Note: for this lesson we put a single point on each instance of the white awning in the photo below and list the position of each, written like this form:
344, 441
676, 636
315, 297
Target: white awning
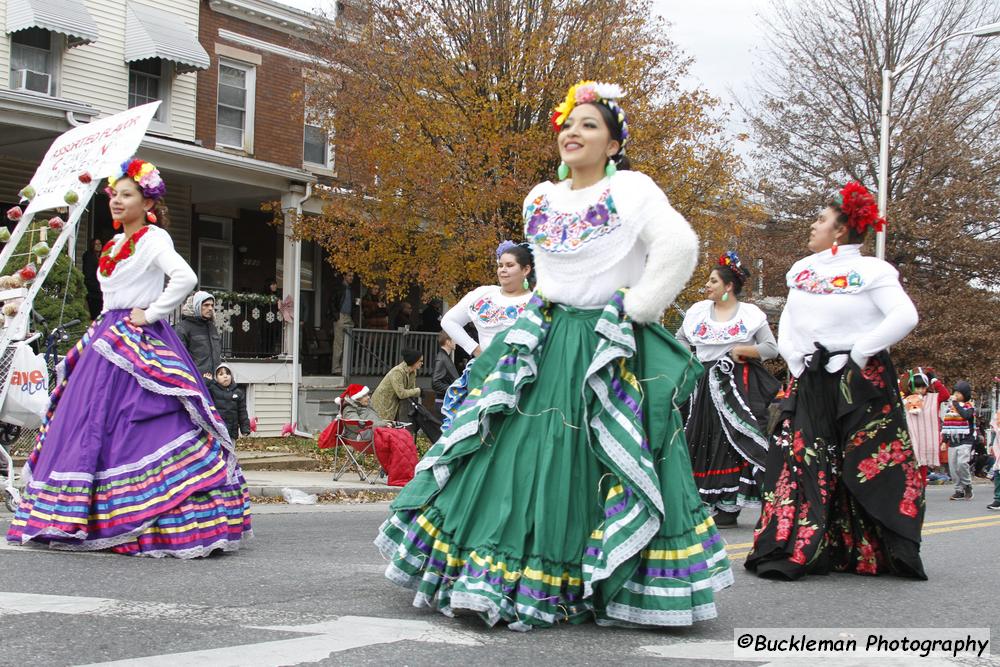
66, 17
155, 33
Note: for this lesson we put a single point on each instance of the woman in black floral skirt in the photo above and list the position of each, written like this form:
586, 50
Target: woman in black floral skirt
842, 489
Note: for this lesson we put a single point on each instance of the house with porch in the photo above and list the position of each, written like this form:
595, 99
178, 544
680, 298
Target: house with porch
236, 150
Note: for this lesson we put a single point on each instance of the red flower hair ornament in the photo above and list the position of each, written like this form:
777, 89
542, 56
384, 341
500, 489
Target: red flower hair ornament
860, 208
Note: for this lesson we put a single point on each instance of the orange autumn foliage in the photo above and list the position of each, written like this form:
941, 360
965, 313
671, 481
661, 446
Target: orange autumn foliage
440, 111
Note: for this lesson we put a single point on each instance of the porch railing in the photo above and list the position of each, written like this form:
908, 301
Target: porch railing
374, 352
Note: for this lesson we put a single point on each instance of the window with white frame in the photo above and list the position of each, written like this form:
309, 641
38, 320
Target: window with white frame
215, 265
316, 147
234, 115
148, 81
215, 252
33, 61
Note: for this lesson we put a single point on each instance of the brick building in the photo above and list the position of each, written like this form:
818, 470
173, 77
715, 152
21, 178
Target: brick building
230, 136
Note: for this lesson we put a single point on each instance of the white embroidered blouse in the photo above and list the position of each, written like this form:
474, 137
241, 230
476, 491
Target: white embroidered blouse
137, 281
488, 310
845, 302
713, 339
619, 232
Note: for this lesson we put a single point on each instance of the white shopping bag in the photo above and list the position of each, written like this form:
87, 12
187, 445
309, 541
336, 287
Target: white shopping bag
28, 391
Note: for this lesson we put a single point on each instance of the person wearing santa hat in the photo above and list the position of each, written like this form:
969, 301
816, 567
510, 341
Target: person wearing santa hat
354, 406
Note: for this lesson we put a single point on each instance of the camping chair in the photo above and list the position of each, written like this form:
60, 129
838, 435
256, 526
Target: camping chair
348, 453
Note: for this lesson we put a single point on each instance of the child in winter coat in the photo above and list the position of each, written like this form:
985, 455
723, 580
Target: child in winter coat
959, 430
230, 401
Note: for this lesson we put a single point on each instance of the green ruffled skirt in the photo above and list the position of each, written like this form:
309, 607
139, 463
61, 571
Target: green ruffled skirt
563, 491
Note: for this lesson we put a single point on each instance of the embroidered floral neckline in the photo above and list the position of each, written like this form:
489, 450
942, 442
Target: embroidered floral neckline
561, 232
490, 314
107, 263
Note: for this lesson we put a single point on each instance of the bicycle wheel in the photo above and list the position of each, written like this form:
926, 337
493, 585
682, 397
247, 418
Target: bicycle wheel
8, 501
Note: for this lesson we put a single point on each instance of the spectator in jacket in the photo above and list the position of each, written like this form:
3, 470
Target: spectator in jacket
230, 401
399, 384
376, 314
199, 334
445, 371
342, 314
355, 407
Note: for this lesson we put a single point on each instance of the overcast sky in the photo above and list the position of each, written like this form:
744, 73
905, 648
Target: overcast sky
721, 35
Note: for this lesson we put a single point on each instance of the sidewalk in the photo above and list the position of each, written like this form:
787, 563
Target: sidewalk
267, 473
269, 483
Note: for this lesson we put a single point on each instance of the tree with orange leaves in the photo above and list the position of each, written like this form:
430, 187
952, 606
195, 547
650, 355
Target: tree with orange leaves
440, 109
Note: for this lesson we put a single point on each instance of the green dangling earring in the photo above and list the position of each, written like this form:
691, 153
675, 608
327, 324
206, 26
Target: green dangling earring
525, 285
610, 169
725, 296
563, 171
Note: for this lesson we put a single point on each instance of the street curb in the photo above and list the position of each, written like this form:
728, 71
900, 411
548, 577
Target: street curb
276, 491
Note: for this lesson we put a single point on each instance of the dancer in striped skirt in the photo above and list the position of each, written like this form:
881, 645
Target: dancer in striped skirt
132, 455
563, 490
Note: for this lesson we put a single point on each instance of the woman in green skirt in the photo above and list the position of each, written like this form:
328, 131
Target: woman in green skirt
563, 490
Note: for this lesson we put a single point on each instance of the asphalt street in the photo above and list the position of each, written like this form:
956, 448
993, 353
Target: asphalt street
309, 590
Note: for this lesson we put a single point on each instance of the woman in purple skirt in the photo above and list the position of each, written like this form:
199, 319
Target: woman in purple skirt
132, 455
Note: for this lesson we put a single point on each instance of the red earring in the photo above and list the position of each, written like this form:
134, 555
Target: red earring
833, 250
117, 224
150, 216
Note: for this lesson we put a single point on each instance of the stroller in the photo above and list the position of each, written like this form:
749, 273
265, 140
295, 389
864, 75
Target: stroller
425, 421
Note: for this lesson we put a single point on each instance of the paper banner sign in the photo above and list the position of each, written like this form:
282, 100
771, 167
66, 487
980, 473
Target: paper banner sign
97, 148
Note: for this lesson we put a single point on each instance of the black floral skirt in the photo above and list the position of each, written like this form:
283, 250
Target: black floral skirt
727, 432
842, 488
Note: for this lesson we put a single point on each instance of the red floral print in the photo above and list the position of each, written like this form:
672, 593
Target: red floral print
873, 372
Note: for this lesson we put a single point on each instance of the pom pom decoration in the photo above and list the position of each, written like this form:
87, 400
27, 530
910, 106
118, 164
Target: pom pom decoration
14, 213
26, 193
10, 309
860, 207
71, 197
40, 250
10, 282
4, 235
56, 223
85, 177
28, 272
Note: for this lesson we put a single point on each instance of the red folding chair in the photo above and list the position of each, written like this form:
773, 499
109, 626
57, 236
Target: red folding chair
350, 453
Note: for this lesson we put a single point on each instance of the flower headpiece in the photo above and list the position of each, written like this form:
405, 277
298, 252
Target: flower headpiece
592, 92
860, 208
145, 174
504, 247
732, 260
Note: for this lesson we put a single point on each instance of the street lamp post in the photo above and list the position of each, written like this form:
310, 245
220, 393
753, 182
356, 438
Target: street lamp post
888, 75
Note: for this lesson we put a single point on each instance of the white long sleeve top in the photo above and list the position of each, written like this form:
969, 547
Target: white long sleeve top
137, 282
844, 302
619, 232
713, 339
488, 310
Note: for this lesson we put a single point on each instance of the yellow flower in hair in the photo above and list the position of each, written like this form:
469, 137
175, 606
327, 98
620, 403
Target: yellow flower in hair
562, 111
